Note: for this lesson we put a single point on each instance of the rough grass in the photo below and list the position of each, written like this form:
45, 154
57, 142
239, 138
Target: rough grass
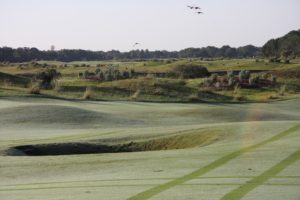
12, 80
164, 90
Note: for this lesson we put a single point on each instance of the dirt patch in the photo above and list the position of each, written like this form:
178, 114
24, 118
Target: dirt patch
164, 143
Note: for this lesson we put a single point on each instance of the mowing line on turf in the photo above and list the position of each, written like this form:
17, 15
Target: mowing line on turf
148, 179
241, 191
51, 187
215, 164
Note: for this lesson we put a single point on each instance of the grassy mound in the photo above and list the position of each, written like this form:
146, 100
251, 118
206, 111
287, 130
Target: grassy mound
40, 115
288, 73
9, 79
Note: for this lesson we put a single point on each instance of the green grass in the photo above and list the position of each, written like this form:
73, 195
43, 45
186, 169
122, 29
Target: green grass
218, 147
154, 191
237, 137
259, 180
160, 89
11, 80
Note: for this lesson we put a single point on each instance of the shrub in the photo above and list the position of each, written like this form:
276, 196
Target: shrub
47, 77
125, 74
131, 73
217, 84
237, 88
88, 93
207, 82
86, 74
273, 79
230, 74
231, 82
264, 76
247, 74
214, 78
253, 80
182, 82
108, 76
97, 70
194, 97
136, 94
190, 71
55, 85
282, 90
100, 76
34, 90
244, 75
239, 98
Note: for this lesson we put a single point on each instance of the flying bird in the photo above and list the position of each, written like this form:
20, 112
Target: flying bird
197, 8
135, 44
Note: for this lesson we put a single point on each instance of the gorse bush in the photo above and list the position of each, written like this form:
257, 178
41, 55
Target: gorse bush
214, 78
194, 97
47, 78
34, 89
136, 94
231, 82
230, 74
190, 71
244, 75
253, 80
88, 93
282, 90
273, 79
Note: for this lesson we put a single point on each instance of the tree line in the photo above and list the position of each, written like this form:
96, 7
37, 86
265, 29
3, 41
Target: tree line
26, 54
284, 47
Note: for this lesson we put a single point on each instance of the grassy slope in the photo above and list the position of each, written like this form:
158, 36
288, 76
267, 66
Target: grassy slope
164, 90
8, 79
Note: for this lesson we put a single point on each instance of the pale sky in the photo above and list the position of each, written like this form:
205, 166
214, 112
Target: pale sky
156, 24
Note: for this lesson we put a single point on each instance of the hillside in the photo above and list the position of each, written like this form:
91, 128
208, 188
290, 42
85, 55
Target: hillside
9, 79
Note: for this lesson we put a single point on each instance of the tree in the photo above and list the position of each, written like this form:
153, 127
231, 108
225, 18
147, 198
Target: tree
283, 46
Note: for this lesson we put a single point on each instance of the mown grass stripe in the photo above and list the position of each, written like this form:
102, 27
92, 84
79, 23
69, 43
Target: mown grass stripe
50, 187
215, 164
76, 186
236, 184
259, 180
142, 179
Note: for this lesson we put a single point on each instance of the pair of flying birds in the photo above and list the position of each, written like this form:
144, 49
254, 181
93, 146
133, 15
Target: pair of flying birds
195, 8
191, 7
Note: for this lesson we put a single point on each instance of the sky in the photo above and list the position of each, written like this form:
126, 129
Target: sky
155, 24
